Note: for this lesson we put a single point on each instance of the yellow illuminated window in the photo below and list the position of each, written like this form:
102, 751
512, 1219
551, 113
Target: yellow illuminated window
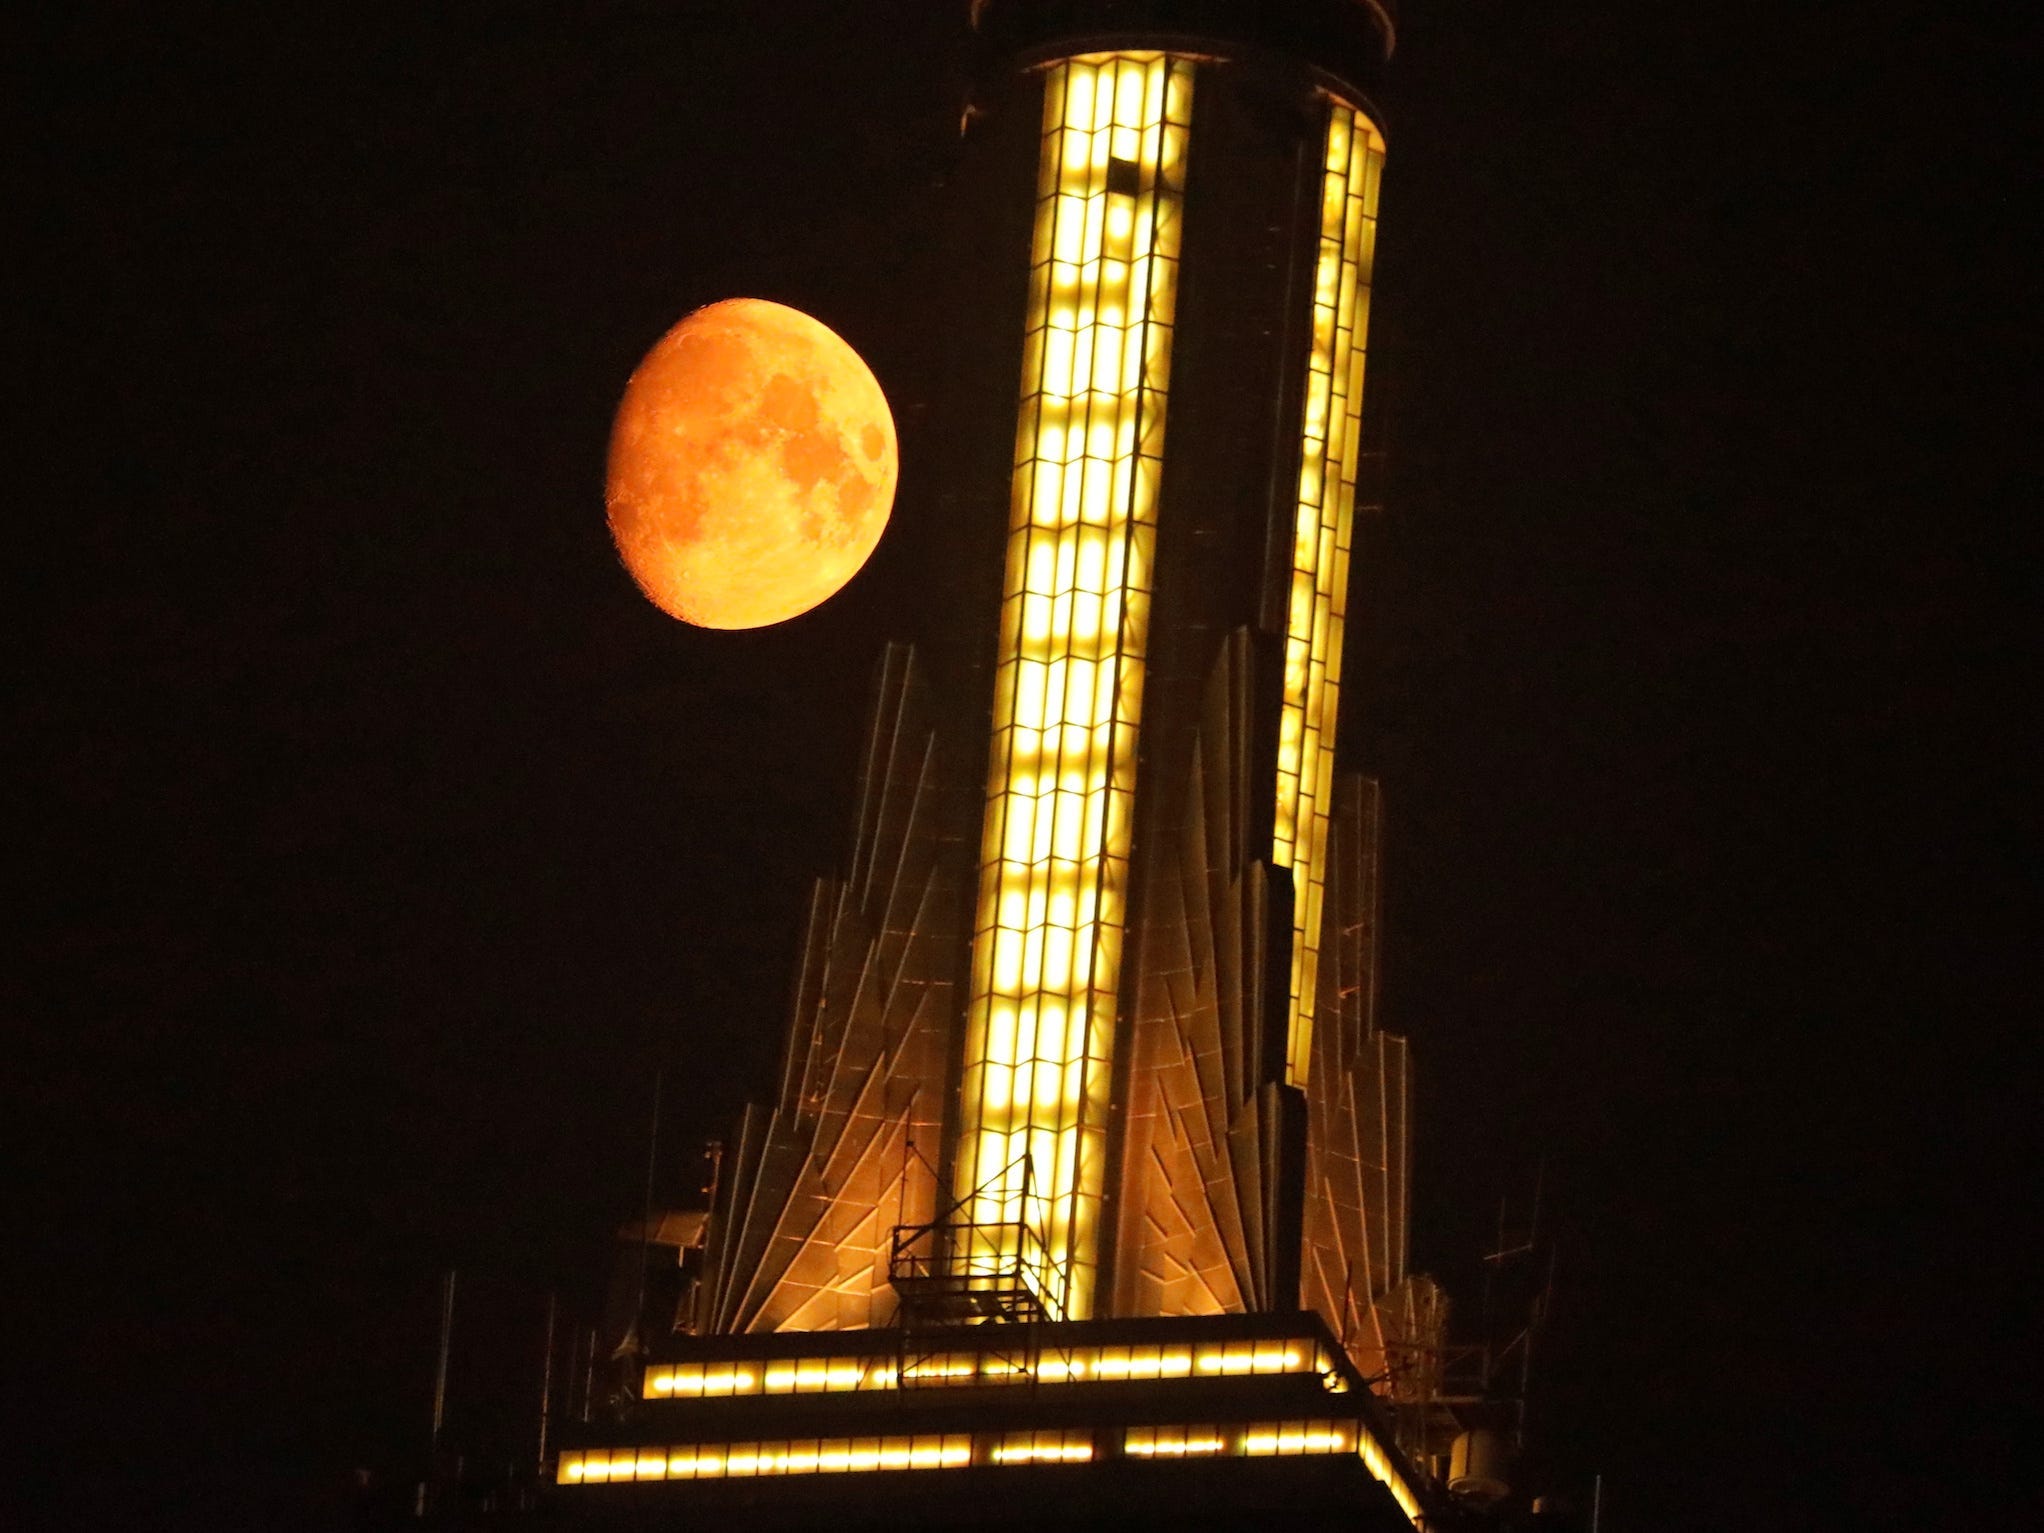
1068, 688
1290, 1438
995, 1365
809, 1375
718, 1461
1044, 1448
1378, 1462
947, 1365
1173, 1442
1329, 458
955, 1450
699, 1380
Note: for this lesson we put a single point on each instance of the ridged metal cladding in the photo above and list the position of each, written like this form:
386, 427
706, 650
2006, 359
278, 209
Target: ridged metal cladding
1348, 41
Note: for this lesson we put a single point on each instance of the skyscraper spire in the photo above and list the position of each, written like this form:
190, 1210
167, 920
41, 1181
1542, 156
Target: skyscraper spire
1085, 1084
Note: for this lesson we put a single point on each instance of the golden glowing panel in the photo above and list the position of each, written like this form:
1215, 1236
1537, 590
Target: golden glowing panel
744, 1460
709, 1381
1378, 1462
1253, 1440
996, 1365
1330, 454
1173, 1442
1296, 1437
652, 1463
1068, 691
1067, 1447
752, 466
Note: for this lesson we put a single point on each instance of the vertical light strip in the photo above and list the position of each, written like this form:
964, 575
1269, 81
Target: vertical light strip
1068, 692
1330, 452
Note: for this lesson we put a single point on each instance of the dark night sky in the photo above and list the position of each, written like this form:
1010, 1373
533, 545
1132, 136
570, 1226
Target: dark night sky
382, 842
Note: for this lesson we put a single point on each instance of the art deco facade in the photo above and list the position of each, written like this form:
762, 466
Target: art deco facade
1087, 1149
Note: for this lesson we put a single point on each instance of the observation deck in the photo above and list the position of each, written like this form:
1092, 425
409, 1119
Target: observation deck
1208, 1421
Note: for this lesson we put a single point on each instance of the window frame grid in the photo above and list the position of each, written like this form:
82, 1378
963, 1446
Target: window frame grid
1322, 544
1055, 846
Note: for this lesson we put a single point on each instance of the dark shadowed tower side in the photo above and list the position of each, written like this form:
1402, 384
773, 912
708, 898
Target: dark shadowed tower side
1084, 1083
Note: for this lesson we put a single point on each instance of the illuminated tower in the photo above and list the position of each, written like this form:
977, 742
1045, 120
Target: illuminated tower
1087, 1149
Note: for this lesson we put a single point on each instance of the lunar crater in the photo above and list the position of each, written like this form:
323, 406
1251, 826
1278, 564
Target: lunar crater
752, 466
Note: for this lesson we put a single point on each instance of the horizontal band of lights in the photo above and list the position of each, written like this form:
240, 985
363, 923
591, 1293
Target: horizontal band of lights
730, 1461
992, 1365
1330, 455
1257, 1440
957, 1450
819, 1455
1068, 689
1066, 1447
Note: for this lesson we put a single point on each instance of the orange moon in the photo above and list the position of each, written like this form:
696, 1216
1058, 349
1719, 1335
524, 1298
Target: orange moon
752, 466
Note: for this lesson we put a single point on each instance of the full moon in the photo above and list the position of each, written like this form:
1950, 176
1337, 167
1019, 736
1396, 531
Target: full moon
752, 466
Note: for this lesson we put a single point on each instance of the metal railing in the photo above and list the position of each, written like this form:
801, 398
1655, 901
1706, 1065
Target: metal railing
955, 1270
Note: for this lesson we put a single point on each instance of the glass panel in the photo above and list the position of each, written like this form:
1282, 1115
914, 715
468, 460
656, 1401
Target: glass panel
1102, 299
1330, 455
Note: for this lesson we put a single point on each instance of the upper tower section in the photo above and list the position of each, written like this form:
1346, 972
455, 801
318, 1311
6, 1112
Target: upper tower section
1347, 42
